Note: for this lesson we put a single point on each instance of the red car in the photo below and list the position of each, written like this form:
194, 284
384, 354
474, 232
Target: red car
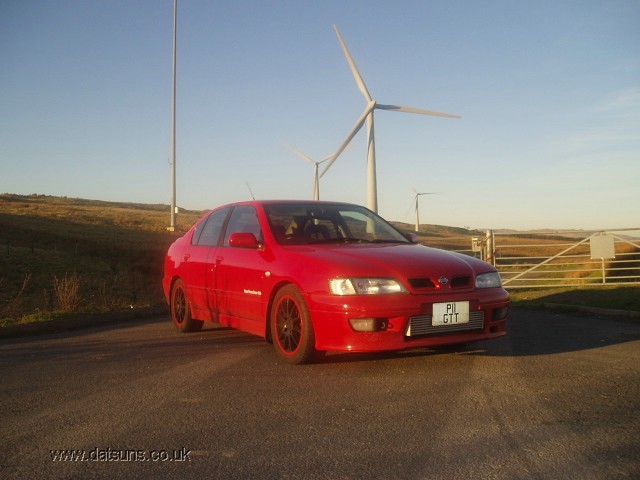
314, 276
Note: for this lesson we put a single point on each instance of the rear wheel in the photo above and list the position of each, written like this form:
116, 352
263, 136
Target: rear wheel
180, 310
291, 327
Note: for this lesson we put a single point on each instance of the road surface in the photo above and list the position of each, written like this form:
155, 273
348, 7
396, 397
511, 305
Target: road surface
559, 397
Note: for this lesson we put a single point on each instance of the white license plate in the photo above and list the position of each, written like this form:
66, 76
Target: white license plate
450, 313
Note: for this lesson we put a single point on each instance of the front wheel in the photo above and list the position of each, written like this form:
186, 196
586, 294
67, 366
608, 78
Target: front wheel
181, 311
291, 327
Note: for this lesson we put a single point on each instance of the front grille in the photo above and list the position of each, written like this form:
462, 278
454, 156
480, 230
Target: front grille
421, 325
424, 282
460, 281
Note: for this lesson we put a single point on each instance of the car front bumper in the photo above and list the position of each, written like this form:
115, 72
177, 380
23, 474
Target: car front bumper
394, 315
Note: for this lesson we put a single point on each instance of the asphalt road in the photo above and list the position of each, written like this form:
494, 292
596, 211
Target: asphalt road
559, 397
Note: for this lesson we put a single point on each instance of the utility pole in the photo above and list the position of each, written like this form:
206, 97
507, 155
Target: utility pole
172, 227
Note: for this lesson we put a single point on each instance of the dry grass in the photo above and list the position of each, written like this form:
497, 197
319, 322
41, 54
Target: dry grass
14, 306
67, 291
617, 298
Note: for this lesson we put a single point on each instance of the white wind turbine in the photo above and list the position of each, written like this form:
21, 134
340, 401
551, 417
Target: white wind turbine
416, 197
316, 165
372, 190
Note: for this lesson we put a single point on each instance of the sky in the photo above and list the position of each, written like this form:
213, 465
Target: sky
548, 91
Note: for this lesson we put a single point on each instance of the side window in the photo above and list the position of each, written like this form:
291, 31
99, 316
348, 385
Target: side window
244, 219
211, 228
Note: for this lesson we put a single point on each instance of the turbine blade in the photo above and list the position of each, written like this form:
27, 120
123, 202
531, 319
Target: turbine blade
354, 69
299, 153
356, 128
328, 157
421, 111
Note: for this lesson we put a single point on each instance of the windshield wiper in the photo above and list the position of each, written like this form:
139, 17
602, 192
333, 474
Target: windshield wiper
353, 240
340, 240
380, 240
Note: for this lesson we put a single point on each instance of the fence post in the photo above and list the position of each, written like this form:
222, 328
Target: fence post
490, 254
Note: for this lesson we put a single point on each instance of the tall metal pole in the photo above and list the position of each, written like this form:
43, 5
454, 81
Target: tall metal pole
172, 227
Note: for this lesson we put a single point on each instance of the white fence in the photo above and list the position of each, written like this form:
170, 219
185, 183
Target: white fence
556, 259
566, 259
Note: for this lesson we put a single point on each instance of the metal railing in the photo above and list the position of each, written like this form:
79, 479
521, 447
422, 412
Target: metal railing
559, 259
555, 259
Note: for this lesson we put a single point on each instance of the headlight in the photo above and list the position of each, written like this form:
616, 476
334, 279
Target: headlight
364, 286
488, 280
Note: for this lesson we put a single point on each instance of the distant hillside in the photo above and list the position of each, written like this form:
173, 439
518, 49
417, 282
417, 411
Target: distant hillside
74, 207
150, 216
436, 230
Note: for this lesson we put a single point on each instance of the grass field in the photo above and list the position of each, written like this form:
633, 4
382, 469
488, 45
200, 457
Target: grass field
62, 256
626, 298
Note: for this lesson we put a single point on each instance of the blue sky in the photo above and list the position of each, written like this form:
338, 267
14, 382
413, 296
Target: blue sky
549, 92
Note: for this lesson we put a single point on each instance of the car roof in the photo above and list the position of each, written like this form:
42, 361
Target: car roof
288, 202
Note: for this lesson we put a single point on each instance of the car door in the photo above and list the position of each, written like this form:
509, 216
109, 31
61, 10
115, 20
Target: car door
240, 274
205, 241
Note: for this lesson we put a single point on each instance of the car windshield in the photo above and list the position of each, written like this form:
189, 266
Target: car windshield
315, 223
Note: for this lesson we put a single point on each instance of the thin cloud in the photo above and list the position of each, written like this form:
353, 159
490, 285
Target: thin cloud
624, 100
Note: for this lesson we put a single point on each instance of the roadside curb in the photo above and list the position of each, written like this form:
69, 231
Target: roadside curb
629, 314
81, 322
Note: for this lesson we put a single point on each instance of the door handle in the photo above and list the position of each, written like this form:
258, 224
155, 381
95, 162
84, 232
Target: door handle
186, 257
219, 260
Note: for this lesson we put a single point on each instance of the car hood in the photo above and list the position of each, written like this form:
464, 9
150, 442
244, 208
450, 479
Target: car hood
397, 260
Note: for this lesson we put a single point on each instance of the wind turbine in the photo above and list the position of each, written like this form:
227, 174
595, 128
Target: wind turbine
316, 165
417, 195
372, 190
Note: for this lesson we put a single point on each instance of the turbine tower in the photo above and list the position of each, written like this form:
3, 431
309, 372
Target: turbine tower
372, 190
417, 195
316, 165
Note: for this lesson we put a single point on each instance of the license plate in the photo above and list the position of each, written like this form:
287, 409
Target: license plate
450, 313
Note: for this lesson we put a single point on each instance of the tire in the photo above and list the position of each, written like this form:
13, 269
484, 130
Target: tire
181, 311
291, 327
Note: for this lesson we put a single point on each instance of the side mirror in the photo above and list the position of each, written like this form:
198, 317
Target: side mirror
243, 240
412, 237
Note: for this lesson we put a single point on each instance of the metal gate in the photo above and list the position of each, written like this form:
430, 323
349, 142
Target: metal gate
563, 259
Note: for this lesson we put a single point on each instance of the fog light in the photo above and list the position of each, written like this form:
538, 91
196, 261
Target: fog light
368, 324
500, 313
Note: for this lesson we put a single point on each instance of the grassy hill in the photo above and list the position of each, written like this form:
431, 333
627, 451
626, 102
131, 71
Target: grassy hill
63, 256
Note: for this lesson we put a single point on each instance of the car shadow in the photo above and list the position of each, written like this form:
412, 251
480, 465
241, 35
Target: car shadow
530, 333
542, 332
